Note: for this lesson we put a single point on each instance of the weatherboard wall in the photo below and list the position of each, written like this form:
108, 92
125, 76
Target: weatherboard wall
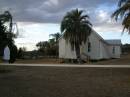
99, 49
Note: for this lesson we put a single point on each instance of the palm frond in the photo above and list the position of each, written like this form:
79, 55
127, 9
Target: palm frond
76, 27
121, 11
121, 2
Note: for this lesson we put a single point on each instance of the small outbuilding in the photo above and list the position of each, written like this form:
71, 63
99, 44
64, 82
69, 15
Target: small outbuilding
95, 48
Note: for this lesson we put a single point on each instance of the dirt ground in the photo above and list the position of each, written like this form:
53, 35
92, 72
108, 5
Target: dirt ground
40, 61
64, 82
125, 59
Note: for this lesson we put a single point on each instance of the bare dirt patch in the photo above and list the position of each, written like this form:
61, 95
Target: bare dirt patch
125, 59
64, 82
40, 61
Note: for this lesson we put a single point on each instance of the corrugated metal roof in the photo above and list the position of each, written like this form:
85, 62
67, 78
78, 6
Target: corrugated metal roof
114, 42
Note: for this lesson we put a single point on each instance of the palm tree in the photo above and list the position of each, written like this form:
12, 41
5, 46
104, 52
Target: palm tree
55, 44
123, 12
7, 17
76, 28
3, 37
56, 36
43, 45
6, 35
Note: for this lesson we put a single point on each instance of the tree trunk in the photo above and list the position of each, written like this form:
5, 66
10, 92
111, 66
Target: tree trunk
11, 24
77, 49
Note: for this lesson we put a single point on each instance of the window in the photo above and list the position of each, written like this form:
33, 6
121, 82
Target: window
113, 50
89, 46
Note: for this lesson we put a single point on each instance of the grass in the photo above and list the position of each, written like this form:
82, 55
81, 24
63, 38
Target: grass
64, 82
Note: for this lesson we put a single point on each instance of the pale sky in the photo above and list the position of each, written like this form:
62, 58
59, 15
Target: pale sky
37, 19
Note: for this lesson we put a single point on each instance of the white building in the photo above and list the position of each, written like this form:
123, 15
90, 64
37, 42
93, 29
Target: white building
96, 48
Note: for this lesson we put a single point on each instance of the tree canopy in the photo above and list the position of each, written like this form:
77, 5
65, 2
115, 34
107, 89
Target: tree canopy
123, 12
6, 34
76, 28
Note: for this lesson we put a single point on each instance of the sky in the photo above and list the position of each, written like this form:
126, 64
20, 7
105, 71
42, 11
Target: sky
36, 19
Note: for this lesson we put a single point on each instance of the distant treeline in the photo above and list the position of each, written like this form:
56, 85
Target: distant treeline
126, 48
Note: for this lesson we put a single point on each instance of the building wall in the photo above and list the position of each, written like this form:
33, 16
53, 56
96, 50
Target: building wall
117, 51
104, 51
107, 51
94, 50
99, 49
65, 50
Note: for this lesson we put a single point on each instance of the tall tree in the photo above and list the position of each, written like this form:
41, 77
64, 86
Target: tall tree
76, 28
55, 45
3, 37
6, 34
43, 47
56, 36
123, 12
7, 17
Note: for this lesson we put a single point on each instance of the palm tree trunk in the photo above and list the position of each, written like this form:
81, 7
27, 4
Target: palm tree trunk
77, 49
